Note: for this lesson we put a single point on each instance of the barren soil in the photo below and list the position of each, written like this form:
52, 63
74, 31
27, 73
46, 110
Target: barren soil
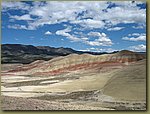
78, 86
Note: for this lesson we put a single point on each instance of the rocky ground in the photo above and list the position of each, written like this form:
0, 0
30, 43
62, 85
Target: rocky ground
15, 103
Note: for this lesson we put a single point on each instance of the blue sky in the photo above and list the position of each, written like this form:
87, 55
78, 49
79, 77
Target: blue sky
97, 26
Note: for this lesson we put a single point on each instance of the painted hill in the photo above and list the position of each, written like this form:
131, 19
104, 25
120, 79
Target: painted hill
115, 81
75, 62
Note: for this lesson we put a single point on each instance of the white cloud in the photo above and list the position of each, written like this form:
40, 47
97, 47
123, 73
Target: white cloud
115, 29
84, 38
125, 12
135, 37
138, 48
25, 17
89, 23
84, 50
97, 34
128, 3
88, 15
15, 6
135, 34
65, 32
139, 27
101, 40
109, 50
48, 33
16, 26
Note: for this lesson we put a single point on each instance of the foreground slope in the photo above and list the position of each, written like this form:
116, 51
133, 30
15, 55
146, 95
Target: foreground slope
129, 83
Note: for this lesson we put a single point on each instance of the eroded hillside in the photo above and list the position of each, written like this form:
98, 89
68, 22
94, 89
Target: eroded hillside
105, 81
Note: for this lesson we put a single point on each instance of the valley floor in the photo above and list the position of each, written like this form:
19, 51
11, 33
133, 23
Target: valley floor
80, 90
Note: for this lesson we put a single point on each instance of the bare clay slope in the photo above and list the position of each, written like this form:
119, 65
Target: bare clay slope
129, 83
109, 80
74, 62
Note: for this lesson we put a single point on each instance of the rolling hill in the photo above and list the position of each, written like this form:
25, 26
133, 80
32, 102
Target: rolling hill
18, 53
113, 81
75, 62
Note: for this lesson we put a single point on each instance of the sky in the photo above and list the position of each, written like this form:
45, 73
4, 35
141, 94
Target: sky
98, 26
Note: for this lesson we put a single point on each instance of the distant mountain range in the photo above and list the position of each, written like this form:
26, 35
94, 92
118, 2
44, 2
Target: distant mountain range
18, 53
